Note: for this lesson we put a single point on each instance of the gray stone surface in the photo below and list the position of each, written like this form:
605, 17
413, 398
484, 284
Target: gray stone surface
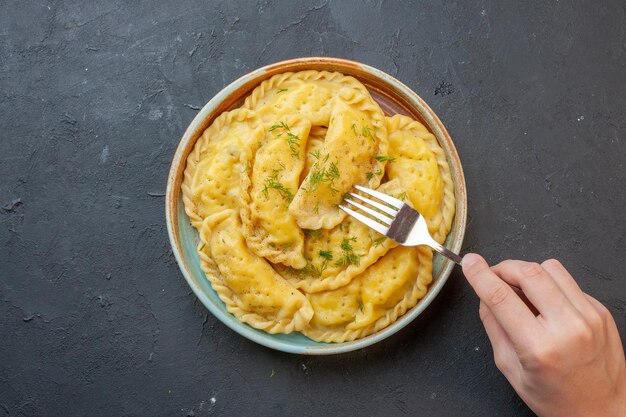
95, 317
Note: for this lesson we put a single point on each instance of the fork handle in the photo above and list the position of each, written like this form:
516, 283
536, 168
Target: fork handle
445, 252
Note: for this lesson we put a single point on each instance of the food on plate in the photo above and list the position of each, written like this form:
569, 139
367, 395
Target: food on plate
262, 186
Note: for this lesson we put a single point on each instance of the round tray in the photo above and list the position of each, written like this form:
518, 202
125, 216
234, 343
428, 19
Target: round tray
393, 97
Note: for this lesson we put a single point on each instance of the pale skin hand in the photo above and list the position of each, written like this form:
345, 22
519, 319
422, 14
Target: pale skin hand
558, 347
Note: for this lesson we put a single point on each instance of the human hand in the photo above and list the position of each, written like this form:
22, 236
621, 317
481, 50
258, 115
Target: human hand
558, 347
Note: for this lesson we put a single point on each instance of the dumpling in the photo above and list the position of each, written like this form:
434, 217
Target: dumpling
309, 94
335, 256
421, 167
373, 299
270, 178
352, 154
248, 285
212, 175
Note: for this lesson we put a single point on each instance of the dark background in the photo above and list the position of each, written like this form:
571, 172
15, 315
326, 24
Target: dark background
95, 317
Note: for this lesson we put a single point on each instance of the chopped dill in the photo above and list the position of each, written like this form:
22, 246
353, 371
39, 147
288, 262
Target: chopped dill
246, 167
333, 171
272, 183
312, 270
371, 175
349, 257
315, 154
284, 192
202, 247
402, 196
281, 125
354, 128
294, 144
316, 208
313, 233
282, 90
383, 158
320, 175
326, 254
367, 132
378, 241
317, 176
345, 243
292, 140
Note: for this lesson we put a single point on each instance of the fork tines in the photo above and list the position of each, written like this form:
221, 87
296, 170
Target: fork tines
380, 221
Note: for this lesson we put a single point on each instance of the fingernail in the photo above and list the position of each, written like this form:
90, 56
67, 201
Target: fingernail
470, 259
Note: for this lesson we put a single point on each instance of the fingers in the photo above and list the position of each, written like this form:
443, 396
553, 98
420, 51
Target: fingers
568, 285
537, 285
600, 308
612, 338
517, 321
503, 352
523, 297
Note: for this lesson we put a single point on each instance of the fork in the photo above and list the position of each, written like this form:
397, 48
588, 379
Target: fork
398, 221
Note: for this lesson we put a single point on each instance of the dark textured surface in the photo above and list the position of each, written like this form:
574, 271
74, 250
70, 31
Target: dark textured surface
95, 317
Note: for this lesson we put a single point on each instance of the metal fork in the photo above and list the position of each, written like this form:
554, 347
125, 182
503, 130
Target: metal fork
398, 221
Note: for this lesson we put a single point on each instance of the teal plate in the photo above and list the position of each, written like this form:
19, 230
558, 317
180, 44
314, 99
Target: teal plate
393, 97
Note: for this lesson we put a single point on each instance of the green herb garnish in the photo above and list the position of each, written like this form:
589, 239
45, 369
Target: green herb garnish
312, 270
333, 171
367, 132
294, 144
272, 183
371, 175
315, 154
202, 247
349, 257
316, 177
282, 90
345, 243
383, 158
284, 192
281, 125
326, 254
319, 175
313, 233
292, 140
379, 241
